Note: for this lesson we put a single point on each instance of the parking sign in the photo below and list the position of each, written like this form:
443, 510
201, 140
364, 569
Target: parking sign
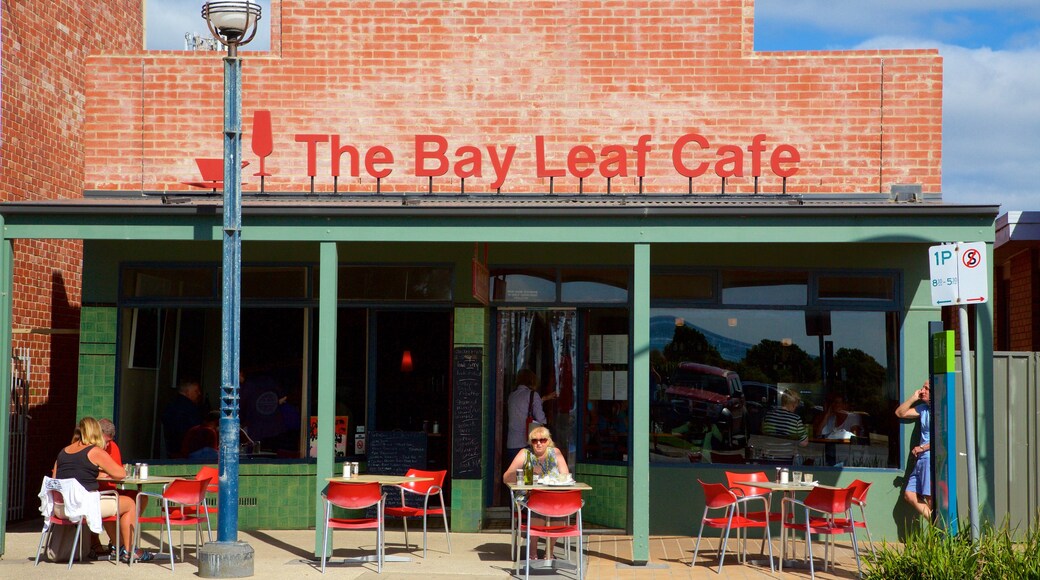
959, 274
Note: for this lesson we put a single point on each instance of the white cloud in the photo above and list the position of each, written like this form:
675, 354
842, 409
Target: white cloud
991, 120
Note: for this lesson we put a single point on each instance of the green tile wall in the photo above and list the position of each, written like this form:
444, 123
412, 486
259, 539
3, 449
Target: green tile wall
607, 504
97, 361
467, 505
274, 496
469, 326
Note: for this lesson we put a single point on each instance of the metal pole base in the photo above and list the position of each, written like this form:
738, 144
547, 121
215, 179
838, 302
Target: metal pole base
226, 560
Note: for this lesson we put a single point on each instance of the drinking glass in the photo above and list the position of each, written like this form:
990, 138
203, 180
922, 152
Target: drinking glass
808, 478
796, 476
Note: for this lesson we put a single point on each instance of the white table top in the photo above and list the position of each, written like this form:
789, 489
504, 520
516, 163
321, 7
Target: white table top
790, 486
577, 485
380, 479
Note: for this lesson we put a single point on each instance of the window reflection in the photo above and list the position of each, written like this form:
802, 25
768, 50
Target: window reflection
717, 373
764, 287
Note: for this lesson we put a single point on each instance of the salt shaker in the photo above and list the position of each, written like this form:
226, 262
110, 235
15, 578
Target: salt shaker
347, 470
785, 476
355, 468
144, 471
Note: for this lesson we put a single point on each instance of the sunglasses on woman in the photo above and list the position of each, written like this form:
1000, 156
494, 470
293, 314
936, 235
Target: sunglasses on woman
540, 441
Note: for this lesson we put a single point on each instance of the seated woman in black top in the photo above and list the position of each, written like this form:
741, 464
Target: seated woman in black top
83, 460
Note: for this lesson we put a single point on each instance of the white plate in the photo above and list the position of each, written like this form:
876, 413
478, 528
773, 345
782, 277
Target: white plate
571, 482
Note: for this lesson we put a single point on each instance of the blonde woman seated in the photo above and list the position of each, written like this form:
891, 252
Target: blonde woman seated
544, 459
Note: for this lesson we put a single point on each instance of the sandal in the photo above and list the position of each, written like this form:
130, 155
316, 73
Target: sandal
139, 556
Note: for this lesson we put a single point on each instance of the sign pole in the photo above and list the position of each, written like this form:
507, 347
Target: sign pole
969, 420
960, 276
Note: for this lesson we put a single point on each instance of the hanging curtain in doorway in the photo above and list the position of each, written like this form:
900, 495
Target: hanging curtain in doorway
522, 324
562, 333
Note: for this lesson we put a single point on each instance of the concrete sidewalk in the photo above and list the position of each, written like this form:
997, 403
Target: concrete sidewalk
283, 554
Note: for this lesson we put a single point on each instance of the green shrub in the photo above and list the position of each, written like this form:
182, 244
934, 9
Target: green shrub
934, 554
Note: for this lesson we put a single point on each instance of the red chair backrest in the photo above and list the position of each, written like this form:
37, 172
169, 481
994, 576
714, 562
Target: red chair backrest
732, 477
424, 486
187, 491
554, 504
717, 495
859, 490
829, 500
210, 473
353, 495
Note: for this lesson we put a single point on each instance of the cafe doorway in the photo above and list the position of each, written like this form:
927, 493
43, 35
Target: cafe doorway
544, 341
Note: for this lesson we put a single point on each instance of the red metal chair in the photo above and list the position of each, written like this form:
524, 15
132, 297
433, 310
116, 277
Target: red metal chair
554, 504
426, 489
205, 472
718, 496
182, 503
830, 502
59, 499
748, 491
859, 498
353, 496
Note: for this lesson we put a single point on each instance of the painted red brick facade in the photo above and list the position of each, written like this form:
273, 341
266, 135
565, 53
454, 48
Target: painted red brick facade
498, 73
42, 151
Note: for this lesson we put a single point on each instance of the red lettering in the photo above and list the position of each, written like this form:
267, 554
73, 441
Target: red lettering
731, 162
312, 150
583, 155
756, 149
539, 153
642, 149
337, 151
437, 154
378, 155
615, 161
501, 167
469, 156
677, 155
784, 154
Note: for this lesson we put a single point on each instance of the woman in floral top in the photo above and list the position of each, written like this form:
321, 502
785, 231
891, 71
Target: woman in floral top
544, 459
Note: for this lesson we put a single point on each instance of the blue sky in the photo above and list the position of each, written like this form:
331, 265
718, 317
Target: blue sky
991, 56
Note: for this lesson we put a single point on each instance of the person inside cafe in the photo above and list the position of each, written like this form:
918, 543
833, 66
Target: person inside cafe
542, 458
525, 408
182, 413
784, 422
202, 442
836, 422
83, 460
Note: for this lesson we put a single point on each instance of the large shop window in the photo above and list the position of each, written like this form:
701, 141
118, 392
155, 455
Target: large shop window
786, 367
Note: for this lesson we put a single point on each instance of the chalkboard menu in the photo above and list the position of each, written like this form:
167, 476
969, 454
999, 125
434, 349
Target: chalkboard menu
467, 423
395, 452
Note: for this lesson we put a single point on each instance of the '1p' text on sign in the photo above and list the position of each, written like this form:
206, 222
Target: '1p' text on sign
959, 273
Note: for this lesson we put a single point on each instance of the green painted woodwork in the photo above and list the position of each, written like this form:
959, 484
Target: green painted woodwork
6, 297
327, 285
639, 511
467, 505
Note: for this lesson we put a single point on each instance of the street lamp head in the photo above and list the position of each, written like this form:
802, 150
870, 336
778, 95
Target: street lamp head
232, 22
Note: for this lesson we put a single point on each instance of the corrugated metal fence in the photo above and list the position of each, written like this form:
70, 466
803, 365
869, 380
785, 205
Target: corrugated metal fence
21, 374
1015, 429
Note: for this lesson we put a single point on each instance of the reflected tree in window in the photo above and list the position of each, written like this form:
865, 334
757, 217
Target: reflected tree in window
771, 361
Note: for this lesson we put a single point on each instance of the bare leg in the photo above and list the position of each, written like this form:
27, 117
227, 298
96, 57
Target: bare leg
923, 504
127, 517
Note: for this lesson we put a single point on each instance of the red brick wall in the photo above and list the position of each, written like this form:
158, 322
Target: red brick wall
43, 111
1024, 301
502, 72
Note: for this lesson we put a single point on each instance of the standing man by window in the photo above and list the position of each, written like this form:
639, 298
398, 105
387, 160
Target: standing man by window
918, 491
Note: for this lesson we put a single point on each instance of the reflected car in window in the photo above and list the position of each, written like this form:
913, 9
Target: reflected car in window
705, 396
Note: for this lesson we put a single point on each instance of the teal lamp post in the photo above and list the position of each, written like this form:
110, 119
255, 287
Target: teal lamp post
233, 23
